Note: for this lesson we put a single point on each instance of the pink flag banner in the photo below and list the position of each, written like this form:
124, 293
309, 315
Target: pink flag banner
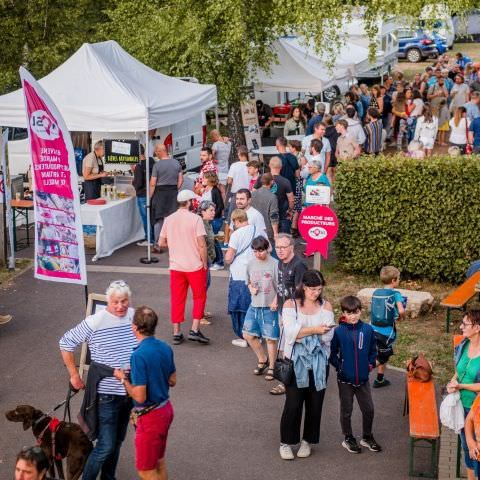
59, 249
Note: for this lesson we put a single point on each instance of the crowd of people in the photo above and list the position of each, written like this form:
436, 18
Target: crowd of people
276, 304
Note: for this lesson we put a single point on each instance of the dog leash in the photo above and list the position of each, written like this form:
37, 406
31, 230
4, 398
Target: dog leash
70, 394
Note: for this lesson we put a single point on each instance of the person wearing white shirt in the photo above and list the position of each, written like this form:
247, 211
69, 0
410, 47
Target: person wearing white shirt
221, 150
318, 134
459, 125
243, 201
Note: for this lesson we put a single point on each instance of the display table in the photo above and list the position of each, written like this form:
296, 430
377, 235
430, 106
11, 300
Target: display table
117, 223
20, 209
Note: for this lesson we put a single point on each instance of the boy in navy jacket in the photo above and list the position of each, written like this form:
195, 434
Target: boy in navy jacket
353, 354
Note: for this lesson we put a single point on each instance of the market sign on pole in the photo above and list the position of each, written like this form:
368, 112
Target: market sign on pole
318, 226
59, 249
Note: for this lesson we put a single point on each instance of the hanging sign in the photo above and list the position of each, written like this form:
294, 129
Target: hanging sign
59, 249
122, 151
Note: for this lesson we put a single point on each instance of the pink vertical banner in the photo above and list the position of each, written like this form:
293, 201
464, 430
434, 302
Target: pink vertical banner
59, 249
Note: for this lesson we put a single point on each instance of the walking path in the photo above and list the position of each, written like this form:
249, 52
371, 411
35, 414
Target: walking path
226, 424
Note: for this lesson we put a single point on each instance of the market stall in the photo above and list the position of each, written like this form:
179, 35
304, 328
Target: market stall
102, 88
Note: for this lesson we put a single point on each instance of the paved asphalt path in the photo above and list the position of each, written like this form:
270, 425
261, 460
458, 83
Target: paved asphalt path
226, 424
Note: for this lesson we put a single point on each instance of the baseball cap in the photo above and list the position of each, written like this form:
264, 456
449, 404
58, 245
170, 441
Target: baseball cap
185, 195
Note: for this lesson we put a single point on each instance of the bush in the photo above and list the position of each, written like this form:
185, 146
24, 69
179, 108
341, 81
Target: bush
422, 216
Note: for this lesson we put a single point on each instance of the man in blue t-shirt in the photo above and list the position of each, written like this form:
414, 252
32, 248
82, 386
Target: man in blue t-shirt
152, 374
290, 167
386, 335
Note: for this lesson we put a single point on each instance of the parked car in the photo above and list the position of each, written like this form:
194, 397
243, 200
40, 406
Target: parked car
415, 45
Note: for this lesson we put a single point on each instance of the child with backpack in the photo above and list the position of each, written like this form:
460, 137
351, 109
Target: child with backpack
387, 307
353, 354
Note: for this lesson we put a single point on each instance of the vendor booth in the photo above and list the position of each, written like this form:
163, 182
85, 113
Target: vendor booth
102, 88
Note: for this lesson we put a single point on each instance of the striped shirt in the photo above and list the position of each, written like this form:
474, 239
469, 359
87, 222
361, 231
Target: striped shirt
373, 132
111, 342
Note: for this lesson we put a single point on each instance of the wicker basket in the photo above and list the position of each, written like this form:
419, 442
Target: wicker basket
90, 241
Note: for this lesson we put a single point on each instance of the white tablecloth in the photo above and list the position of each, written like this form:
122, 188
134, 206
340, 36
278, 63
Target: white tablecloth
118, 224
272, 150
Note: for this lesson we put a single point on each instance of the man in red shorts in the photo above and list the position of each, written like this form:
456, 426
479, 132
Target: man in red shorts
151, 376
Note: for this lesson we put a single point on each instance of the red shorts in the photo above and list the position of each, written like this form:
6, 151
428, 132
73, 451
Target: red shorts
151, 437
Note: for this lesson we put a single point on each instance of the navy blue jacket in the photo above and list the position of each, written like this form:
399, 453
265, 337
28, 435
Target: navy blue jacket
353, 352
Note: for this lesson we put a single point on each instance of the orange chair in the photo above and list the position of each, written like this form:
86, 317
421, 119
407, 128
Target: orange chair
459, 298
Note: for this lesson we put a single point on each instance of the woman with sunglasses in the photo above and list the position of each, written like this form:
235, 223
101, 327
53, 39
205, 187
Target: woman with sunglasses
308, 328
467, 376
261, 320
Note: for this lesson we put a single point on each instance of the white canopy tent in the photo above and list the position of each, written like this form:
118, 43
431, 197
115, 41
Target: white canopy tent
103, 88
301, 69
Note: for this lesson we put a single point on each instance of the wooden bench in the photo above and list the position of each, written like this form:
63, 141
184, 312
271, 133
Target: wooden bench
423, 421
459, 298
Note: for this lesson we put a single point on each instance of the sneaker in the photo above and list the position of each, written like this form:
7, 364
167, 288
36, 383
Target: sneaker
216, 266
240, 342
304, 451
350, 443
198, 337
178, 338
143, 243
383, 383
5, 319
286, 452
370, 443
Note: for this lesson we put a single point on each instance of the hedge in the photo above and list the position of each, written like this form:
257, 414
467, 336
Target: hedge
422, 216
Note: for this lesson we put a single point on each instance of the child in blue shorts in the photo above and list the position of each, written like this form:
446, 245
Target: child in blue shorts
387, 307
261, 320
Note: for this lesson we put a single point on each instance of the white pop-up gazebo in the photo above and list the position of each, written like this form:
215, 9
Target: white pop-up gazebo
103, 88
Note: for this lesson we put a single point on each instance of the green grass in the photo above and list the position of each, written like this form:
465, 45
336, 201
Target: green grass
410, 69
7, 275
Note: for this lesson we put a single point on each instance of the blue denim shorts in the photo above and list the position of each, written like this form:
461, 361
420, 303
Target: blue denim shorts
261, 322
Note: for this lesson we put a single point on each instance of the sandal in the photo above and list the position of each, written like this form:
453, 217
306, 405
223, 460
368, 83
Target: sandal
204, 321
269, 376
278, 389
261, 367
207, 315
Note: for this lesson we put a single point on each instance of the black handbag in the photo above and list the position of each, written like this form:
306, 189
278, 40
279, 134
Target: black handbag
283, 370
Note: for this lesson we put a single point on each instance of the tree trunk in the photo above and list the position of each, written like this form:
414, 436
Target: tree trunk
235, 129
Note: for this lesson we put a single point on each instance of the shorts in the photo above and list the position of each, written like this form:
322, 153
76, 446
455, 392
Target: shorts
427, 142
384, 348
261, 322
151, 437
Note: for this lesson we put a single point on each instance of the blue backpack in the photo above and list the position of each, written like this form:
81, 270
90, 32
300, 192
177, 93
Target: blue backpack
383, 308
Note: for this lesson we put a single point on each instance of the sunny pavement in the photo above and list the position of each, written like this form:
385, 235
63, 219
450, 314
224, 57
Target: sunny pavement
226, 425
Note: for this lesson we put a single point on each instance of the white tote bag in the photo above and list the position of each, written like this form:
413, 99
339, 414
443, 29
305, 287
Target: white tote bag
451, 412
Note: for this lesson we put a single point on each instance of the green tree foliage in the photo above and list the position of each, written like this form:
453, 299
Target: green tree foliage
41, 34
420, 215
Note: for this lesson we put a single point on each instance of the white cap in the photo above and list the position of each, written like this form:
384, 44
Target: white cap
185, 195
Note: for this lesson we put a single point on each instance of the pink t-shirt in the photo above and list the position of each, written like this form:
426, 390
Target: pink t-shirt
181, 230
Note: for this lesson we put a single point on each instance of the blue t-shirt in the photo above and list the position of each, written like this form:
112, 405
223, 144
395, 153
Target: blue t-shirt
389, 331
152, 365
475, 128
312, 122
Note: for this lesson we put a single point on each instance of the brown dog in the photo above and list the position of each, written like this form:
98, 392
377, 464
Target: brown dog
69, 441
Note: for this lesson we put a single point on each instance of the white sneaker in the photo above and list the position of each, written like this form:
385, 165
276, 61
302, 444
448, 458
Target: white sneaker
304, 451
286, 452
216, 266
143, 243
240, 342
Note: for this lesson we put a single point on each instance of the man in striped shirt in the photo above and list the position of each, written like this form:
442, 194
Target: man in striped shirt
111, 341
373, 133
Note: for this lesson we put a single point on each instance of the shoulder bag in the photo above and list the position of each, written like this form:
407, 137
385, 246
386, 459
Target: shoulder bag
283, 370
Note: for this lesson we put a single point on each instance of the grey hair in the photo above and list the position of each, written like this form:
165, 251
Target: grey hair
287, 236
120, 288
205, 205
98, 144
316, 164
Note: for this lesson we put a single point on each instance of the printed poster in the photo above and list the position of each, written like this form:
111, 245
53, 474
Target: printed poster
251, 127
59, 249
6, 194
